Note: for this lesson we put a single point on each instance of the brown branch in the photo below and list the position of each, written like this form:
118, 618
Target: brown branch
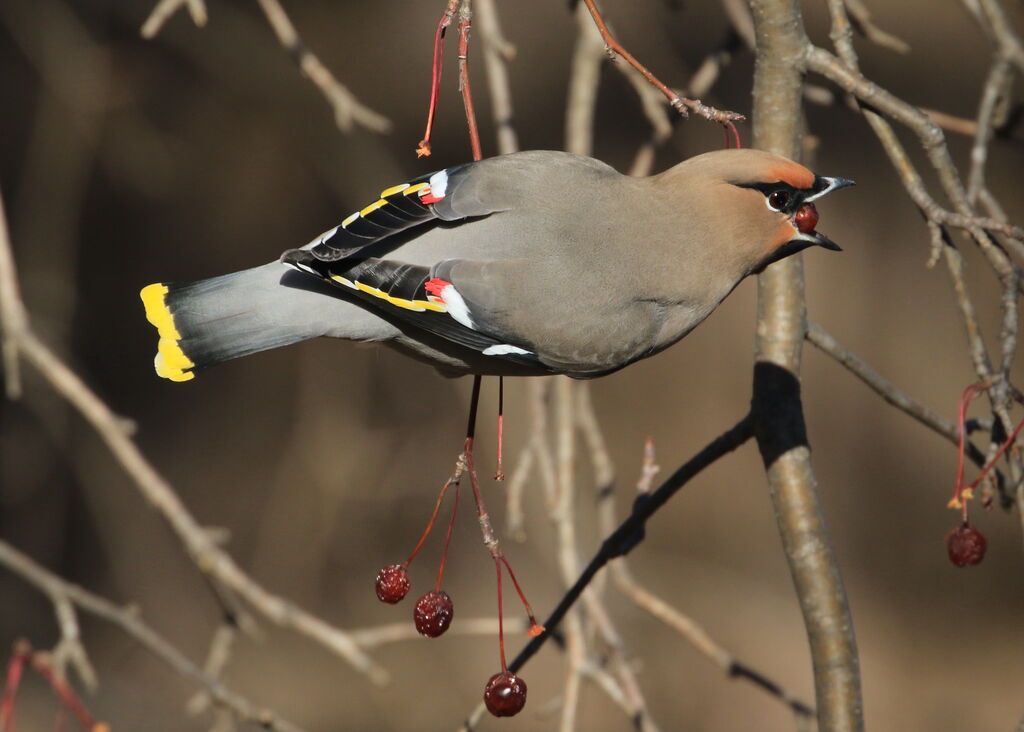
497, 53
13, 319
197, 541
828, 345
630, 532
821, 339
348, 111
844, 71
776, 408
164, 9
128, 620
861, 17
993, 93
398, 632
465, 23
682, 105
684, 625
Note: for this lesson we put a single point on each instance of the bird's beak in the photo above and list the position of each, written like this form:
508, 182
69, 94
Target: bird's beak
819, 239
824, 185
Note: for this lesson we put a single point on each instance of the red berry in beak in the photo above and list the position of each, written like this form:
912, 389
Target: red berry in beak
806, 218
966, 545
505, 694
433, 613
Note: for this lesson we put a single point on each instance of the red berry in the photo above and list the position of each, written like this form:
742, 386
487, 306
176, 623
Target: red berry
433, 613
505, 694
966, 545
392, 584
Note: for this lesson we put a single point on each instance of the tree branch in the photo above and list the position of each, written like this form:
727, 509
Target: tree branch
128, 620
777, 411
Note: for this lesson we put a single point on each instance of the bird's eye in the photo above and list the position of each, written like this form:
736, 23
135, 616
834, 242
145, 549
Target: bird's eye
777, 200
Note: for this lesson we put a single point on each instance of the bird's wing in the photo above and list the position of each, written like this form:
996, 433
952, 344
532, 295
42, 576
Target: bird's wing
423, 298
452, 195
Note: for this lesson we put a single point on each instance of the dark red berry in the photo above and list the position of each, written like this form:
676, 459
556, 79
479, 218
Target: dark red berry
505, 694
433, 613
966, 545
392, 584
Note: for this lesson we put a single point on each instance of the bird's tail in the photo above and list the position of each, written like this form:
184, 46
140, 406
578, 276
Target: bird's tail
203, 323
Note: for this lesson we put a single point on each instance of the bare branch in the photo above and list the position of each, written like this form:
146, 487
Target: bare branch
820, 338
13, 319
128, 620
630, 531
348, 110
164, 9
682, 105
777, 411
498, 52
861, 17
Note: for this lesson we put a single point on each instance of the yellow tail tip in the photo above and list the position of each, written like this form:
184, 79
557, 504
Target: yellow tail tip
170, 362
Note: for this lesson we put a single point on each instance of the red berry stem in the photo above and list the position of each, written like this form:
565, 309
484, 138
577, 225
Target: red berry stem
999, 453
535, 627
24, 654
447, 539
433, 517
435, 78
966, 398
492, 544
961, 493
501, 620
15, 668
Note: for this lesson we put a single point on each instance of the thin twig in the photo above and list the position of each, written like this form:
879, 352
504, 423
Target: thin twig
381, 635
630, 531
861, 17
13, 319
197, 541
128, 620
498, 52
682, 105
348, 111
164, 9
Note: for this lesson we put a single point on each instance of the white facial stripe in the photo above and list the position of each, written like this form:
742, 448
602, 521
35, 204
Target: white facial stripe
503, 349
439, 184
833, 183
457, 307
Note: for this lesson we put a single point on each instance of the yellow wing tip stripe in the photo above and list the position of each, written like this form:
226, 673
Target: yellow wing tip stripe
404, 188
415, 305
170, 361
393, 190
373, 207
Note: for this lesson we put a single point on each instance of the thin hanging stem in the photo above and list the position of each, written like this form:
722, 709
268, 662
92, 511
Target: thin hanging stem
423, 149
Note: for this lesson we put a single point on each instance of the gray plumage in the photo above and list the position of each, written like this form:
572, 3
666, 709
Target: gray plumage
564, 265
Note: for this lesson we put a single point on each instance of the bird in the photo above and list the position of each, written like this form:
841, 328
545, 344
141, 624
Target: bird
531, 263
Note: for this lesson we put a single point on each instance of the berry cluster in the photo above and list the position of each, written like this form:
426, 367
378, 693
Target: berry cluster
505, 693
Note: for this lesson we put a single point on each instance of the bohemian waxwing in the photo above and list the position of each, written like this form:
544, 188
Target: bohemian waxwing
533, 263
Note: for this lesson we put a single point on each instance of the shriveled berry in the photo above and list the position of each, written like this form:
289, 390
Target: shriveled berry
966, 545
505, 694
433, 613
392, 584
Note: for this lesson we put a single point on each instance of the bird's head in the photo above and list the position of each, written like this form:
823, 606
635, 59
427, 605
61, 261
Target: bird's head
762, 203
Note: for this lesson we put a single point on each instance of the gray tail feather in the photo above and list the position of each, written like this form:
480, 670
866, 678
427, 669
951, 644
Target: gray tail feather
206, 322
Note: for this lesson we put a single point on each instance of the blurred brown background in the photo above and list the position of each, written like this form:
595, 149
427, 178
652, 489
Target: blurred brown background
125, 162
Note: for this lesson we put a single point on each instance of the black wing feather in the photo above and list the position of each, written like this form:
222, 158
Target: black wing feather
375, 283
